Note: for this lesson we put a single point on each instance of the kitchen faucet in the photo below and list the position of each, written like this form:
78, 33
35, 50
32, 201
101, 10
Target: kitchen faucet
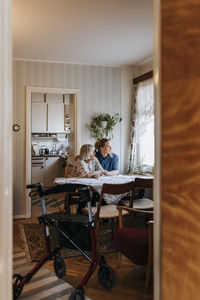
53, 150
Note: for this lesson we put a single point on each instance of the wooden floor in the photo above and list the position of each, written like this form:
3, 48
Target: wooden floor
44, 285
130, 278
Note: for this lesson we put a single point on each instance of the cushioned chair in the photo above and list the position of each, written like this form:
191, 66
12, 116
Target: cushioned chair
144, 202
135, 243
109, 212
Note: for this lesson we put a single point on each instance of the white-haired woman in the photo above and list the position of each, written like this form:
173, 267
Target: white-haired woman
86, 164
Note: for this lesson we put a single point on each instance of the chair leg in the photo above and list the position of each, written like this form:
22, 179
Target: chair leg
97, 237
149, 267
147, 277
66, 201
119, 259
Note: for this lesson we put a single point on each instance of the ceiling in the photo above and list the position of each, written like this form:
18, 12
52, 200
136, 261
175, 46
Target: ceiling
99, 32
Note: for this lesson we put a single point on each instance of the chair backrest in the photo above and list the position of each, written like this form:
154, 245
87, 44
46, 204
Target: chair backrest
143, 183
115, 189
68, 171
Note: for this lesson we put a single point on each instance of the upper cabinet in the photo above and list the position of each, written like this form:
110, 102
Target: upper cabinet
55, 122
39, 117
49, 112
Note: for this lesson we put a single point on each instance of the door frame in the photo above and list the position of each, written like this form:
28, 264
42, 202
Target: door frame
158, 154
6, 151
6, 210
45, 90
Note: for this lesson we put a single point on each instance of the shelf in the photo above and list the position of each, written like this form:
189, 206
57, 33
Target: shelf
48, 135
44, 137
47, 132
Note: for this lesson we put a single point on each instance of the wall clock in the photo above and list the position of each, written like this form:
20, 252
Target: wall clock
16, 127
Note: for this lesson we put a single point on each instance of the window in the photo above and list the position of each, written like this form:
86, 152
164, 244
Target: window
143, 137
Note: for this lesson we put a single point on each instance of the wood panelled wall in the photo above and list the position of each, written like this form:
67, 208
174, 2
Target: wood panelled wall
180, 149
100, 90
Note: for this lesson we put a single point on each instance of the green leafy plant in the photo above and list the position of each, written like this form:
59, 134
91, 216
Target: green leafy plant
105, 130
137, 167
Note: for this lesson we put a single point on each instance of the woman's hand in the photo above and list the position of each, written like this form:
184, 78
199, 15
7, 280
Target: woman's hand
98, 173
105, 173
94, 174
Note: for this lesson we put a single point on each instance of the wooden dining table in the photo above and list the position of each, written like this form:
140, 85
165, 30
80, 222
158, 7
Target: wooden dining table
96, 184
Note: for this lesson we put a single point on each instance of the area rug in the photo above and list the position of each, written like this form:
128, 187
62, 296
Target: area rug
33, 239
52, 200
44, 284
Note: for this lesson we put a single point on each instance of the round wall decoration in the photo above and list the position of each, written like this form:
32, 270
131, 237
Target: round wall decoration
16, 127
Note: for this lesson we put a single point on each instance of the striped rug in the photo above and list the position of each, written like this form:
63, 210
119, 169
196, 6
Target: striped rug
44, 285
50, 200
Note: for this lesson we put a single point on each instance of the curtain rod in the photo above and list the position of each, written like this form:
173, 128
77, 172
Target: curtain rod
143, 77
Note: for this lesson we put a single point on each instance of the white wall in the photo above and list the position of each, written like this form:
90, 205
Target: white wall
100, 89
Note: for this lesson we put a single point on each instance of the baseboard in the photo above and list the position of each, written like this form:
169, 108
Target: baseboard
19, 217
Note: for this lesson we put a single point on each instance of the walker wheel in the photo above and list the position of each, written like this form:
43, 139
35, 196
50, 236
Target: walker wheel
78, 294
17, 288
59, 266
106, 276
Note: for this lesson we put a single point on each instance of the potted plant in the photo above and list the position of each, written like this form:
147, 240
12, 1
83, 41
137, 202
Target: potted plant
102, 126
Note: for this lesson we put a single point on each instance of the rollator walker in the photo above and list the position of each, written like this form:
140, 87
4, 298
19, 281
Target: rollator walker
106, 275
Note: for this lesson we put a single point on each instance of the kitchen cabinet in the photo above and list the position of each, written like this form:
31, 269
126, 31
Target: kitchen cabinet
46, 169
48, 117
56, 117
37, 170
52, 170
39, 117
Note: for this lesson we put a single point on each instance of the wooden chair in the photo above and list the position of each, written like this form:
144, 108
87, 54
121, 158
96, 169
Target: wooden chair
71, 199
109, 212
68, 170
142, 203
135, 243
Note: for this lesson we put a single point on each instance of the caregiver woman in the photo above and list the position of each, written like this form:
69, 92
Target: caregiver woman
108, 160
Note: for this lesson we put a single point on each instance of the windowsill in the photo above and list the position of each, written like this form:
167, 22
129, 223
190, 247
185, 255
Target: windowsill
140, 173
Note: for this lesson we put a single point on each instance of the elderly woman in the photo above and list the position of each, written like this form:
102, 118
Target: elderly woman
86, 164
108, 160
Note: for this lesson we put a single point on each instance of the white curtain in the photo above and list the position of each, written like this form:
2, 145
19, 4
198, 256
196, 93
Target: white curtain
143, 140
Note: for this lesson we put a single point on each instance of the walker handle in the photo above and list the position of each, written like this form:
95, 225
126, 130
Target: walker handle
39, 187
30, 186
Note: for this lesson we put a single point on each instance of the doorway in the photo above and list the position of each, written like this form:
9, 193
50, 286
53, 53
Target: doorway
30, 91
6, 59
